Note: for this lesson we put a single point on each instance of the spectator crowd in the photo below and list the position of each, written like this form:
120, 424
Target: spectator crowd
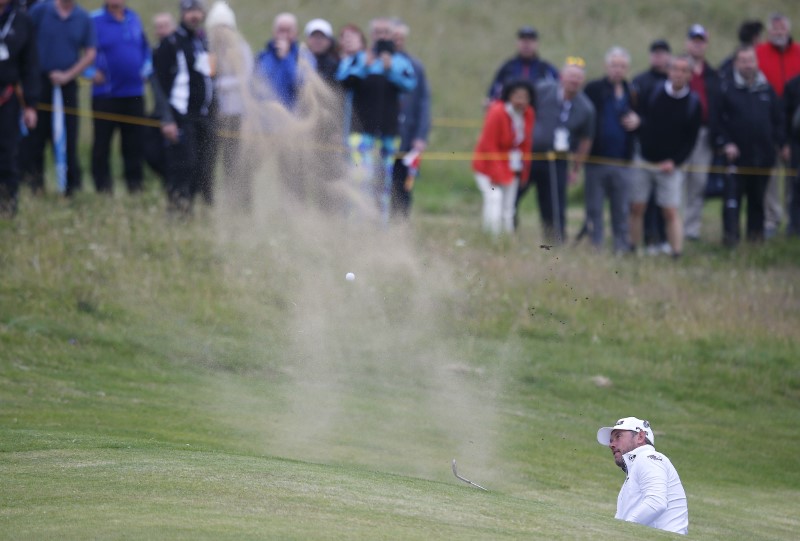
655, 145
202, 76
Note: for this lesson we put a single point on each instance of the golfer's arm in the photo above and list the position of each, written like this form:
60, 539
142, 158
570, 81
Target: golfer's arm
653, 483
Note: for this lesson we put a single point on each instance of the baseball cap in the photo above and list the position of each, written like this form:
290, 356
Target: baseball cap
697, 31
188, 5
528, 32
627, 423
660, 45
319, 25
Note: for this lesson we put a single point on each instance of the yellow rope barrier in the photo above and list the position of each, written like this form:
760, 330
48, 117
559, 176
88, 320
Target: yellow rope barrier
454, 156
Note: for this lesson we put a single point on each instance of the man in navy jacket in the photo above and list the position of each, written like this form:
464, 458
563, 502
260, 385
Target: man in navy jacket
526, 65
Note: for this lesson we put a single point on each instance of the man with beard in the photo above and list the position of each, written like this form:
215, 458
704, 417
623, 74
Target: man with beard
750, 130
652, 493
183, 70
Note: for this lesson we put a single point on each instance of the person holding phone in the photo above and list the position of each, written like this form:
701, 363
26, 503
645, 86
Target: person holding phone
374, 79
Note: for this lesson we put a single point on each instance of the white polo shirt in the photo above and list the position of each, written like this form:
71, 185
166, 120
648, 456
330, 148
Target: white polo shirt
652, 493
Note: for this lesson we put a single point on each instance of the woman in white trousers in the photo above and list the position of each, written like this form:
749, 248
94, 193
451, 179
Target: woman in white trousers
502, 155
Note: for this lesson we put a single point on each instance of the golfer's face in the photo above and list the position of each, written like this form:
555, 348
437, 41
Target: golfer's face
622, 441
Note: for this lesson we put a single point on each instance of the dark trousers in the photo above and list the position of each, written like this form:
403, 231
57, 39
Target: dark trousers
794, 193
753, 187
32, 149
401, 198
190, 163
550, 179
9, 146
130, 138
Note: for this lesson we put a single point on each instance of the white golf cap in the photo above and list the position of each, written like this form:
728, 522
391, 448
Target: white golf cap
319, 25
628, 423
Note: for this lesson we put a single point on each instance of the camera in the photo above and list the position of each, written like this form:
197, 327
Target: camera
384, 46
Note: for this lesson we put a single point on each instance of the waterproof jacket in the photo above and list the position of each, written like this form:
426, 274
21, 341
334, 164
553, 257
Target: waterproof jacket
376, 91
183, 73
497, 140
752, 118
779, 66
123, 55
284, 76
534, 70
22, 64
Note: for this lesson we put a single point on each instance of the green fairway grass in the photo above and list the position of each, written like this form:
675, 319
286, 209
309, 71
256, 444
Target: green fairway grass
219, 378
154, 383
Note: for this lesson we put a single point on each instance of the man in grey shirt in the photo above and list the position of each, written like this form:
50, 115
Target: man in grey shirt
564, 127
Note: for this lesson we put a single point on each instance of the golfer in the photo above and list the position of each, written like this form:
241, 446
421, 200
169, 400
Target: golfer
652, 493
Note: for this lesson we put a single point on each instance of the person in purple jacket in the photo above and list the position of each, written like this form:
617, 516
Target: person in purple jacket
121, 67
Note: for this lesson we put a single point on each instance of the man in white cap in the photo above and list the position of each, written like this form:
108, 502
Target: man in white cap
320, 41
652, 493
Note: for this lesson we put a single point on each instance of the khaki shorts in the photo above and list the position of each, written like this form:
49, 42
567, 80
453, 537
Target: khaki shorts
667, 186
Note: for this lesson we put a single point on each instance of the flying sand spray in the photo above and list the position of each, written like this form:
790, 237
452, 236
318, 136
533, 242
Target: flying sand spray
387, 335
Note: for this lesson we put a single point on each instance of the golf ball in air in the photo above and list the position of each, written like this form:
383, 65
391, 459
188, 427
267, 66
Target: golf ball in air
350, 276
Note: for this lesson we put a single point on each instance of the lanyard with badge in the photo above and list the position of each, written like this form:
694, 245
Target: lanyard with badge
4, 54
561, 133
